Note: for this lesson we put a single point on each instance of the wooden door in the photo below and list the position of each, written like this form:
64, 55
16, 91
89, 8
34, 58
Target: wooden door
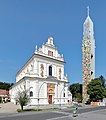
50, 99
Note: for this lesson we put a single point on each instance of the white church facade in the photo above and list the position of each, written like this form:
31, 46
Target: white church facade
43, 75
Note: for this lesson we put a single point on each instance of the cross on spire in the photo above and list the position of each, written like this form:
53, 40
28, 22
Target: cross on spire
87, 10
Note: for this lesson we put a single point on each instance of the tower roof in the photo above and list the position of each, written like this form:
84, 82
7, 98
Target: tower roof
88, 26
88, 19
88, 11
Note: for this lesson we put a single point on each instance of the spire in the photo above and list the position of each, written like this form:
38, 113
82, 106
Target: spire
88, 26
88, 55
36, 47
50, 34
87, 10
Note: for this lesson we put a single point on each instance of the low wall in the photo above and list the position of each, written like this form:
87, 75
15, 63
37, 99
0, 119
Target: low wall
98, 104
95, 103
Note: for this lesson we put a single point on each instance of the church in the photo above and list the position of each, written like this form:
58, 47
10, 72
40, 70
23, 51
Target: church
43, 76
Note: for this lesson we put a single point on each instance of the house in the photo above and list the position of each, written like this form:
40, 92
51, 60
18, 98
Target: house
4, 94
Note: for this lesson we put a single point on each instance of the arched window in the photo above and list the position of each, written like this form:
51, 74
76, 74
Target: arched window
31, 94
64, 95
50, 70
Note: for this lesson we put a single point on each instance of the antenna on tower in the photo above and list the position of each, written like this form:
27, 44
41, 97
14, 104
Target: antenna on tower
87, 10
50, 34
36, 48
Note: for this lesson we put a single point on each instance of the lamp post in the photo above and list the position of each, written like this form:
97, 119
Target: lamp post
39, 92
61, 93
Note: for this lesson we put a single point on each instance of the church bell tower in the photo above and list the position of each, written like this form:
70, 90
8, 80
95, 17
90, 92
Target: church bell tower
88, 55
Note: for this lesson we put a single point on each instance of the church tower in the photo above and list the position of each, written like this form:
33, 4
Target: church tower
88, 55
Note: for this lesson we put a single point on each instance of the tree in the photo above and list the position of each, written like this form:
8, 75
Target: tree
78, 97
6, 86
76, 90
102, 80
96, 89
0, 99
23, 98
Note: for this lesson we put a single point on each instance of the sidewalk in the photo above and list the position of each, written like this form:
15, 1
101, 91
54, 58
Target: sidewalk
12, 108
8, 108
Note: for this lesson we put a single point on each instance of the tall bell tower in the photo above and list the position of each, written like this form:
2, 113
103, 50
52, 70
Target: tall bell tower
88, 55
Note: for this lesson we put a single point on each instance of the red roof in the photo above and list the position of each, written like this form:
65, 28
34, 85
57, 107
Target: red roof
4, 92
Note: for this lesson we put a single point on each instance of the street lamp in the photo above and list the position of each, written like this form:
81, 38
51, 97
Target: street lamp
65, 85
39, 92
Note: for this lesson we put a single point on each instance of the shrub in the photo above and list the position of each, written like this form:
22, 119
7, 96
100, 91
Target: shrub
0, 100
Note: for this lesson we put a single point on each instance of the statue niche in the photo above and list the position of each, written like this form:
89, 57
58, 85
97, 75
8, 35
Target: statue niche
42, 70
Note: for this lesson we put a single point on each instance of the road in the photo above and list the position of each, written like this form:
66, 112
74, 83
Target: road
84, 110
65, 114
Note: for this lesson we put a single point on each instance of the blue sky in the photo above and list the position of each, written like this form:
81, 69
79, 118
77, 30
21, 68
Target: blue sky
27, 23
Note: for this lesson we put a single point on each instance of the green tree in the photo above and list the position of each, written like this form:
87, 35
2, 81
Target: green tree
6, 86
76, 90
0, 99
96, 89
23, 98
102, 80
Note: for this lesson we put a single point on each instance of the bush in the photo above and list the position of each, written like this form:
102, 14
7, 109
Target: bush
27, 110
51, 108
0, 100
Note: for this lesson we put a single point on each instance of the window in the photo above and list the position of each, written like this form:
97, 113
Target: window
59, 73
24, 86
31, 94
50, 53
91, 72
50, 70
91, 56
64, 94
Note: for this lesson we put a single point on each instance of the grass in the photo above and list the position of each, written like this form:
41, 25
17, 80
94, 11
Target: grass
29, 110
51, 109
70, 107
56, 108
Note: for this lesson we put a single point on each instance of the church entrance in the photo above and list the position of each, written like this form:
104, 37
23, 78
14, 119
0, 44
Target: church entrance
50, 92
50, 99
